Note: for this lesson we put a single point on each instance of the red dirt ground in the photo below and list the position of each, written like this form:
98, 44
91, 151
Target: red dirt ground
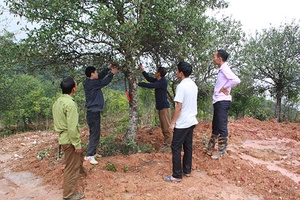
262, 163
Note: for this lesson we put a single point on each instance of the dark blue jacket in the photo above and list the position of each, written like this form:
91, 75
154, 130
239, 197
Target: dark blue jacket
92, 89
161, 85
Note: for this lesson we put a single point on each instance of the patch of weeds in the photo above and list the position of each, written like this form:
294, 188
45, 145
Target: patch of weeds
121, 125
109, 146
116, 122
111, 167
6, 132
126, 168
44, 153
146, 148
128, 148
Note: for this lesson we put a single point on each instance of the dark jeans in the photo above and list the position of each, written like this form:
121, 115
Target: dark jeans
93, 120
220, 118
182, 137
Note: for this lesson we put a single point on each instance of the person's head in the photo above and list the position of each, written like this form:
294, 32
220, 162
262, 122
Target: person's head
161, 71
91, 72
184, 69
68, 85
114, 64
220, 56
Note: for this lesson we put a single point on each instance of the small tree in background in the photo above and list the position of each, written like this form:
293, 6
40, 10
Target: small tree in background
273, 56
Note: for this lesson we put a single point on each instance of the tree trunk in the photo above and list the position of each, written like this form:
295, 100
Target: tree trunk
133, 108
278, 106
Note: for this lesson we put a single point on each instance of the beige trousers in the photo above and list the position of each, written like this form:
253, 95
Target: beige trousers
165, 120
74, 167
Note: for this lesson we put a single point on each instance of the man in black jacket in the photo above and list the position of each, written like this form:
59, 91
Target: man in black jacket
94, 104
160, 84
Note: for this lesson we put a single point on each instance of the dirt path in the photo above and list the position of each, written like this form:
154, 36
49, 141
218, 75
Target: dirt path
22, 185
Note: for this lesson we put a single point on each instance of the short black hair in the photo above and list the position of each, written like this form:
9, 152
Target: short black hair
89, 70
67, 85
115, 64
223, 54
185, 68
162, 71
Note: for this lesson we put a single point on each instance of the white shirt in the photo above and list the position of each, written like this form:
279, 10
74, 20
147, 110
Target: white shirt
225, 79
186, 93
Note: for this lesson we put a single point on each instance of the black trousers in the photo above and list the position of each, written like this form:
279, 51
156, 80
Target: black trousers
182, 138
220, 118
93, 120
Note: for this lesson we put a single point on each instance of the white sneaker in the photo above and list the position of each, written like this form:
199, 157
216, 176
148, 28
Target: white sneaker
91, 159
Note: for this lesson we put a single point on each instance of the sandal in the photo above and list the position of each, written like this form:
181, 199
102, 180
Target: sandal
171, 179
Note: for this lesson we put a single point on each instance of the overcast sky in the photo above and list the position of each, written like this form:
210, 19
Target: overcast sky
260, 14
253, 14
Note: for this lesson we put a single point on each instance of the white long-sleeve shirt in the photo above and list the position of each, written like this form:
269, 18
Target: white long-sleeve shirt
225, 79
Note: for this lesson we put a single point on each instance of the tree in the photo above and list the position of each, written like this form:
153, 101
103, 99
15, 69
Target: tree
10, 54
274, 56
72, 35
28, 102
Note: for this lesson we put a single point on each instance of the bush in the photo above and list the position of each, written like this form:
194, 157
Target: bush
128, 148
109, 147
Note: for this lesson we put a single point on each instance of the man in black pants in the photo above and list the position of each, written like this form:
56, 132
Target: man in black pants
226, 79
183, 123
94, 104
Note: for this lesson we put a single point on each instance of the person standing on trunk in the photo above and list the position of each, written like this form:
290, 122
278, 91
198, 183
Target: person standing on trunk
94, 104
160, 84
65, 116
226, 80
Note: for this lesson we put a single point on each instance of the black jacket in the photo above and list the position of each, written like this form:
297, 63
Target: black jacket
160, 86
92, 89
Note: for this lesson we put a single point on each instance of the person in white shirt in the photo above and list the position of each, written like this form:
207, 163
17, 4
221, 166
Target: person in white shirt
183, 123
226, 80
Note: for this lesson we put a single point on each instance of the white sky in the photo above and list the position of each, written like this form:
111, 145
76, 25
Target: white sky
261, 14
253, 14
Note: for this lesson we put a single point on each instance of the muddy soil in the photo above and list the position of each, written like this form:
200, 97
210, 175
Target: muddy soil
262, 163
